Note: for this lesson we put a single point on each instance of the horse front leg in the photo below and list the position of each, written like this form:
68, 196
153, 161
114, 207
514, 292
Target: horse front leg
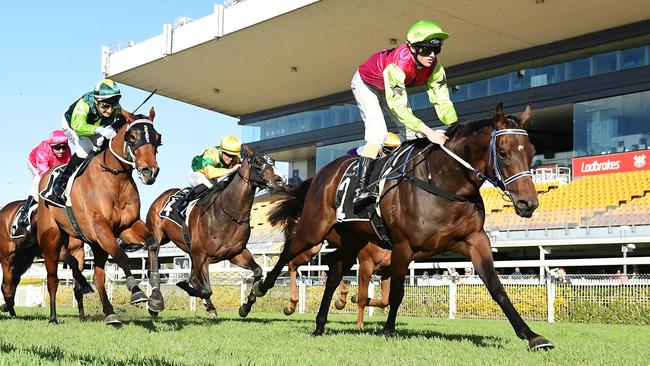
50, 242
245, 260
139, 233
101, 257
400, 259
479, 252
107, 241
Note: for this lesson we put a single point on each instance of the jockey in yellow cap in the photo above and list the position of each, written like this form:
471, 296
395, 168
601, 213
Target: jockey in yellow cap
215, 163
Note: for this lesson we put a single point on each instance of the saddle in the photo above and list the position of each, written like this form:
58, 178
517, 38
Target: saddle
19, 231
46, 194
386, 168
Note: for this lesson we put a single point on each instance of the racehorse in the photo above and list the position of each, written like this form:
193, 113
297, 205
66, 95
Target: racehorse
371, 258
434, 207
220, 228
17, 254
106, 205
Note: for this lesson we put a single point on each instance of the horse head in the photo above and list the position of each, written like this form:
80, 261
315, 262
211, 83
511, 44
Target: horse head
139, 142
260, 169
510, 155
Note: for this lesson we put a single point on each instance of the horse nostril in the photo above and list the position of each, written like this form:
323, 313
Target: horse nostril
146, 171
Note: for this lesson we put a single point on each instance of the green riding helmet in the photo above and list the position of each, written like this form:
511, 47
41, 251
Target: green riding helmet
107, 89
425, 30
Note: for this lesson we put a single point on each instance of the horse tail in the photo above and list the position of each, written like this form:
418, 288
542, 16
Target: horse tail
285, 213
24, 256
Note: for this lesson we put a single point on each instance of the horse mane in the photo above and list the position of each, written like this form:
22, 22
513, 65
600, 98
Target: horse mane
465, 128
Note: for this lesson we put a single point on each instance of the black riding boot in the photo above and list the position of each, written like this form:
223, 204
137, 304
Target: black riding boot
23, 218
361, 195
181, 204
58, 188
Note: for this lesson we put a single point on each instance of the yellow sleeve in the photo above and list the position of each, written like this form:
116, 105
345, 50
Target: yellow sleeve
439, 96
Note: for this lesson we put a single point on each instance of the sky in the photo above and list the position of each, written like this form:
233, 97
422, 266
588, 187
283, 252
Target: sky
51, 55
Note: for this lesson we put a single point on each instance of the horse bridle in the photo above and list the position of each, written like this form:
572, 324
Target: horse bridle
148, 136
256, 172
499, 180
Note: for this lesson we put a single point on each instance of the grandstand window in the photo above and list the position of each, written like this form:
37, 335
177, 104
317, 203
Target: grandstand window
633, 57
325, 154
605, 63
579, 68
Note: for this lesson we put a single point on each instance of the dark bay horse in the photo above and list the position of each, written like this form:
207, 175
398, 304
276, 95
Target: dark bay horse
422, 223
18, 254
220, 229
106, 204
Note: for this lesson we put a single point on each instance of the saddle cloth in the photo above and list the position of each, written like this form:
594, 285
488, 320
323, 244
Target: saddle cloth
170, 213
384, 168
46, 194
18, 232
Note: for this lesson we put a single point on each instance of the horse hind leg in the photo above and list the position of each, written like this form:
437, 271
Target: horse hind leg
9, 285
245, 260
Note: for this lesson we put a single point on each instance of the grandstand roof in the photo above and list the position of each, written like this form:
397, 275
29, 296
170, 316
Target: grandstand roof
276, 53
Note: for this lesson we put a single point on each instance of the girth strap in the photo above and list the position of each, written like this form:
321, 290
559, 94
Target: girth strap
434, 190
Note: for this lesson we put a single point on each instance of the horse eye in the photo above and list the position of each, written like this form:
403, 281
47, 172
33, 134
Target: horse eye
502, 153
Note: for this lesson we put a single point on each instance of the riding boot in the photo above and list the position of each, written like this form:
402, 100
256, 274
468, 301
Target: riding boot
58, 188
181, 204
23, 218
361, 195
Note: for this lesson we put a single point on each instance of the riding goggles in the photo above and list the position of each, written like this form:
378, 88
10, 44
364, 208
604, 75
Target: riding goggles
59, 147
426, 48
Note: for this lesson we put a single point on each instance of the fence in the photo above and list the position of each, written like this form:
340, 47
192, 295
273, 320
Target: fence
623, 299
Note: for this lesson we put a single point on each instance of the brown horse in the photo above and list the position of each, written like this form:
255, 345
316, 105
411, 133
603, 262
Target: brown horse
372, 258
17, 254
106, 204
435, 207
220, 229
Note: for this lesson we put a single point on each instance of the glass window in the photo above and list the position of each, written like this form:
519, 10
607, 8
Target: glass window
633, 57
605, 63
499, 84
458, 93
419, 101
478, 89
611, 125
325, 154
579, 68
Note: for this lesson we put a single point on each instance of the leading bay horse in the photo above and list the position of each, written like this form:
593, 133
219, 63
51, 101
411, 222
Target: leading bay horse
106, 205
18, 254
420, 221
220, 229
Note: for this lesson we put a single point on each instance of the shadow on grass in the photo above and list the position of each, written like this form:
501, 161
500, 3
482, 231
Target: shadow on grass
56, 354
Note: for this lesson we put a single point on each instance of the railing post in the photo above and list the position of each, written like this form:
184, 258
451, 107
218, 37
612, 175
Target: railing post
550, 299
302, 297
371, 294
242, 292
453, 290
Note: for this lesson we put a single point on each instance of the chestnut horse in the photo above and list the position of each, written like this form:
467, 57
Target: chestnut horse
17, 254
220, 229
372, 258
106, 204
435, 207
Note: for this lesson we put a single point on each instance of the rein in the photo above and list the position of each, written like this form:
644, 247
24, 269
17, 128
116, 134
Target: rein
127, 151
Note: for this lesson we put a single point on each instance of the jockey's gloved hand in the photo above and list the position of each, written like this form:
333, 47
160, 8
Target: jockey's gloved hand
107, 132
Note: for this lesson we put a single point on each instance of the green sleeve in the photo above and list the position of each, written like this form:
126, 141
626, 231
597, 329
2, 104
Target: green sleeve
397, 99
439, 96
79, 119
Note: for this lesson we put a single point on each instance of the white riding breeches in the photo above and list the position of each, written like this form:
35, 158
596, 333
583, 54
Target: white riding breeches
36, 179
83, 144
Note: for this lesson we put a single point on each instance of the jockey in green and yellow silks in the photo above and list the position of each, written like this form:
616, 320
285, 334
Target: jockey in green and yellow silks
87, 118
215, 163
383, 79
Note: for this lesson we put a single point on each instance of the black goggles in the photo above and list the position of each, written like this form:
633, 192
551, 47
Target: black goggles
59, 147
428, 47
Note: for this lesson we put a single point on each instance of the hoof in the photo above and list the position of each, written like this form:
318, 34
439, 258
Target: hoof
156, 302
138, 297
339, 304
4, 308
389, 333
257, 291
243, 312
53, 321
354, 299
288, 310
153, 314
212, 313
360, 326
113, 320
318, 332
12, 313
540, 343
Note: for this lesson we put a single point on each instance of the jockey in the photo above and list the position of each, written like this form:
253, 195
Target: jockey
50, 152
215, 163
383, 78
391, 143
88, 118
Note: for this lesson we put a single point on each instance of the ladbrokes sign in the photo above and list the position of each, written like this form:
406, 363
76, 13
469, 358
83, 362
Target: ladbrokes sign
612, 163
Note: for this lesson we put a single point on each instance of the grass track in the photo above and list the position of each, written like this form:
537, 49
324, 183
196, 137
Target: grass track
185, 338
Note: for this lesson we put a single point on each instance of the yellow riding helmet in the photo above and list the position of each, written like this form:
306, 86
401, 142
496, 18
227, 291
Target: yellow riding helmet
231, 145
392, 140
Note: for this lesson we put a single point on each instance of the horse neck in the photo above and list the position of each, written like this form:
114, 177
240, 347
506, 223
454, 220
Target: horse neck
238, 191
472, 148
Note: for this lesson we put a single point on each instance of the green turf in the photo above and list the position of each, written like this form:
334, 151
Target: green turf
179, 338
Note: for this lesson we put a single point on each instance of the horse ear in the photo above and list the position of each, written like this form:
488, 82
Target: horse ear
128, 116
248, 151
498, 116
152, 114
498, 110
525, 116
